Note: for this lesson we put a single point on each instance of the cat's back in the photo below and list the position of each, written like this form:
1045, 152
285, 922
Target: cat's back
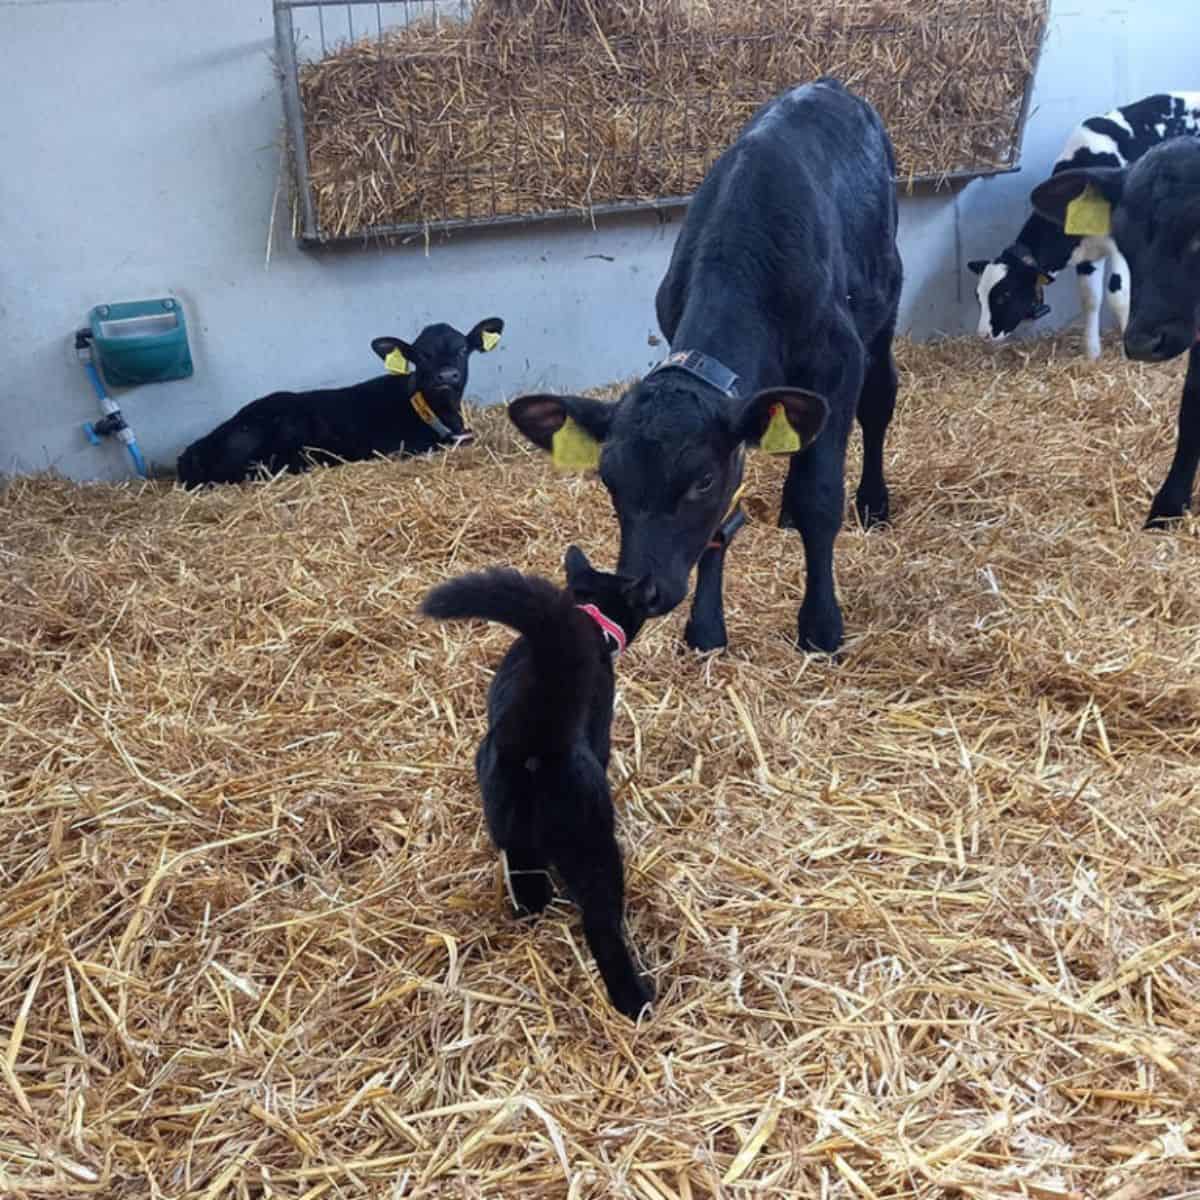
513, 677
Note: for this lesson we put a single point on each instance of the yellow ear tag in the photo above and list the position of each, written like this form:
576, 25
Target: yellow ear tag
1043, 280
573, 448
1089, 215
398, 364
780, 437
490, 340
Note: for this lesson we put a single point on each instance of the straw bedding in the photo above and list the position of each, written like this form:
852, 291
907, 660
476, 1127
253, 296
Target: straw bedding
923, 923
542, 105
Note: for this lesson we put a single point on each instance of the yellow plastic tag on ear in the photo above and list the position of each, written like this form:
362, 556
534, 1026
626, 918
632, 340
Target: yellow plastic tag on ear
780, 437
490, 340
573, 448
397, 363
1043, 280
1089, 215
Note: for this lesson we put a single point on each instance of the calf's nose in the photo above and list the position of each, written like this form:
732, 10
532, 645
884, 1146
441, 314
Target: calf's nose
665, 595
1145, 346
448, 377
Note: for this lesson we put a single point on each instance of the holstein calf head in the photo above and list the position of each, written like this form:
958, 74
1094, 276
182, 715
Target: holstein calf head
437, 362
1152, 210
1009, 292
670, 454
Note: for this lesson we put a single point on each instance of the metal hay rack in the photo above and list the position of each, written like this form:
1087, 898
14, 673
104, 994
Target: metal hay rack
406, 117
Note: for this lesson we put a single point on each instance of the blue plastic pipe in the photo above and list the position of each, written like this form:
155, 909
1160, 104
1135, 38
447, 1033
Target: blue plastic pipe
112, 414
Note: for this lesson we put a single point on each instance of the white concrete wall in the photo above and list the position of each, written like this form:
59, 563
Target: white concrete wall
139, 155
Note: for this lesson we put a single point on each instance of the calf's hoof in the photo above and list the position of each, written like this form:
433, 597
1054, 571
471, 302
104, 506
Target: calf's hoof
1165, 510
705, 635
820, 632
873, 509
1161, 522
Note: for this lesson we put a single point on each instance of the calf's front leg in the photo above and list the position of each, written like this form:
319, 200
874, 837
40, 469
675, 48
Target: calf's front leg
1175, 496
1118, 290
1090, 276
705, 629
814, 497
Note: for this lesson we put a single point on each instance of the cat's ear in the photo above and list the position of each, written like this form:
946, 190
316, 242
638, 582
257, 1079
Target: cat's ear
575, 561
579, 572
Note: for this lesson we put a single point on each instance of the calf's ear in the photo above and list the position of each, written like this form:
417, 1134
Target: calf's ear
396, 355
782, 420
977, 266
1081, 201
570, 427
486, 335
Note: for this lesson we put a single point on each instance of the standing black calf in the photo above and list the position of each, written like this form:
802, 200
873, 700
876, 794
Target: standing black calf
542, 767
1152, 211
779, 304
416, 407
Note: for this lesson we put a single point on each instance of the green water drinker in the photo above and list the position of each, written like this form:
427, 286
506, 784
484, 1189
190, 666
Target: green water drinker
141, 341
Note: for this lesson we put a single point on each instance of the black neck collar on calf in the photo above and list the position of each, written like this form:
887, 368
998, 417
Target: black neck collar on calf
1047, 246
703, 367
1021, 256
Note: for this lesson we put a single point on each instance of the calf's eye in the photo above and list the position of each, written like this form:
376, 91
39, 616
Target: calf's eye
702, 485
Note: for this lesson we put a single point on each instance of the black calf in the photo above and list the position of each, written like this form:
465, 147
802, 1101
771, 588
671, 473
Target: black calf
780, 301
416, 407
1154, 211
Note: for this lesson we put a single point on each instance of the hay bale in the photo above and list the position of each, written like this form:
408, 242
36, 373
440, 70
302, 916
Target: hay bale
533, 106
921, 924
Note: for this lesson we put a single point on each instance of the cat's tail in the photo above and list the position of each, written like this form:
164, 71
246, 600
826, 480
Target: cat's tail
556, 696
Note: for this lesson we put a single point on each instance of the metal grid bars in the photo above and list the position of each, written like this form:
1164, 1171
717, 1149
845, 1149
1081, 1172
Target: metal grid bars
411, 116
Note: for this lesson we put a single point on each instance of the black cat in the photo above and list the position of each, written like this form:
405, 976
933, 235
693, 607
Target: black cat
542, 767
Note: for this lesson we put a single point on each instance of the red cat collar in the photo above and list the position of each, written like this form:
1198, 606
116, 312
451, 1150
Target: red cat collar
611, 629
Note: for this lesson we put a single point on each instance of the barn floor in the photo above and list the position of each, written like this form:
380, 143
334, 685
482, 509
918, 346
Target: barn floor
924, 923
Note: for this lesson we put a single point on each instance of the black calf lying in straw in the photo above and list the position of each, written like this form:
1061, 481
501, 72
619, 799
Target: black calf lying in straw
416, 407
542, 767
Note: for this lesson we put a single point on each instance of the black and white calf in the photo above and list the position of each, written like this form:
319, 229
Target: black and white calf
779, 305
1155, 218
415, 407
1010, 286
